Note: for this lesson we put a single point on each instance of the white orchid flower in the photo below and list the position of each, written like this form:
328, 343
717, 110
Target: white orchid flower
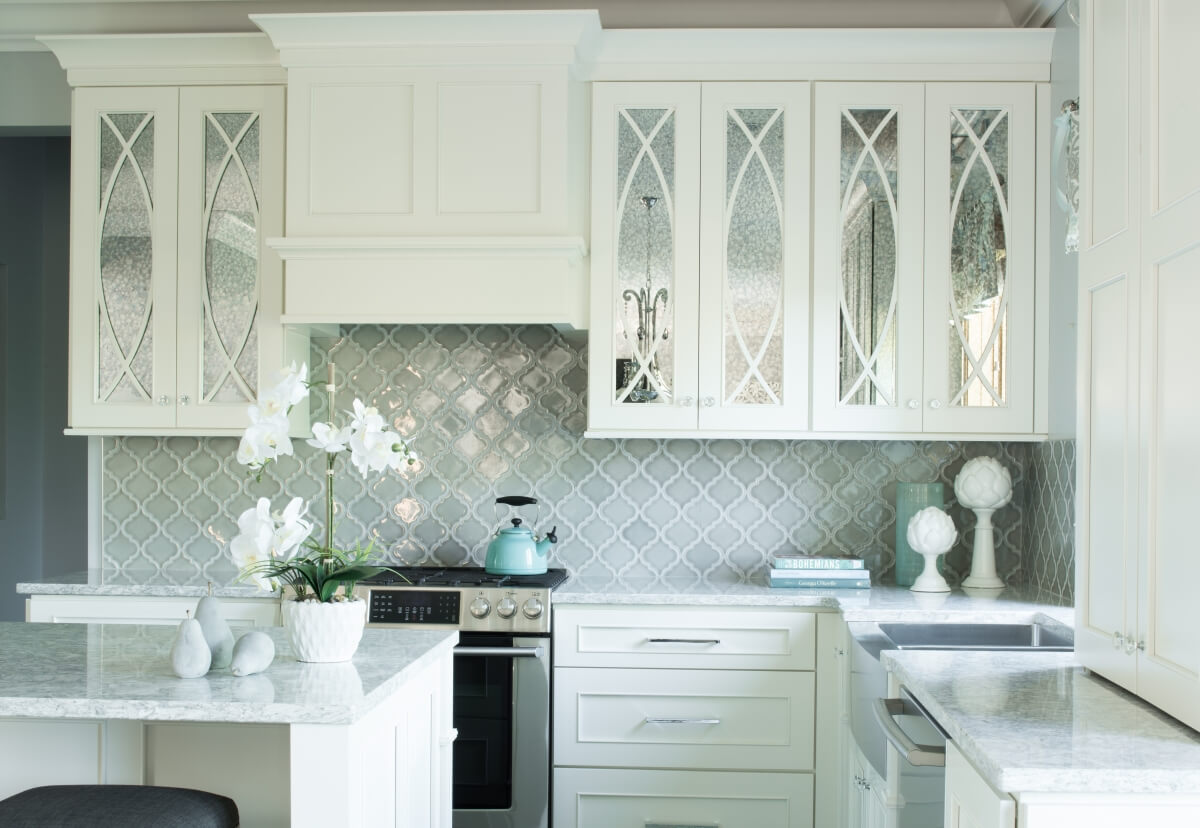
366, 418
329, 439
289, 388
252, 544
289, 530
265, 439
375, 450
402, 456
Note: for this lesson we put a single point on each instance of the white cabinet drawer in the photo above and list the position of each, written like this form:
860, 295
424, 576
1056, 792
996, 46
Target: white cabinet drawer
684, 718
120, 609
593, 798
710, 638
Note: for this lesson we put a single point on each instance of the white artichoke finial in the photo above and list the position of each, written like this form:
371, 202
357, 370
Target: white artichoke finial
983, 484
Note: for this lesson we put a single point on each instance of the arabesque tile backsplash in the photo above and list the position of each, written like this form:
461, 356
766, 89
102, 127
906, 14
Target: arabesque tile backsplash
501, 410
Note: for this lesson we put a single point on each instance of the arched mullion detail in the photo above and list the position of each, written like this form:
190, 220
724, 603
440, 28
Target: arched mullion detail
868, 363
979, 154
645, 151
755, 152
231, 156
126, 157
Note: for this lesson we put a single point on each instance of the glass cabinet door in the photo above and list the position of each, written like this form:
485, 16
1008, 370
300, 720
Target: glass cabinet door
754, 256
980, 264
231, 189
122, 258
868, 202
642, 371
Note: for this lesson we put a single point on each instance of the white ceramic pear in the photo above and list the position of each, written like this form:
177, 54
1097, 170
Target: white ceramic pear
930, 533
252, 653
216, 631
190, 655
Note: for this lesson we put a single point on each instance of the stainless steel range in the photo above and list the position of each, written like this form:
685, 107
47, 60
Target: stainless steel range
502, 677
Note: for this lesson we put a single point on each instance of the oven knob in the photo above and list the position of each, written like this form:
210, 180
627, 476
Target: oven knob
506, 608
480, 607
533, 608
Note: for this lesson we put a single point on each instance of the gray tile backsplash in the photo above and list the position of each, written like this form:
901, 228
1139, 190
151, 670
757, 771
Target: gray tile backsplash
501, 410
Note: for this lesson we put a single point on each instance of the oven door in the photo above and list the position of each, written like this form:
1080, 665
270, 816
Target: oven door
502, 714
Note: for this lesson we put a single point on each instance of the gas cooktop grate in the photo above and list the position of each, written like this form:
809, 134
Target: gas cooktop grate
463, 576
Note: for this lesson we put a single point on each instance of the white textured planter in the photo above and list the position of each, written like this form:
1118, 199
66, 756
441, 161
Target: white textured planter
324, 632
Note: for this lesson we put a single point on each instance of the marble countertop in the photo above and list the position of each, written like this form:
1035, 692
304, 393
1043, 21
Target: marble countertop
879, 603
1033, 722
123, 671
151, 583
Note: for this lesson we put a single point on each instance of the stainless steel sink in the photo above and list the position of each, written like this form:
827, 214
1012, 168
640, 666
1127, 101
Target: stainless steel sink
977, 637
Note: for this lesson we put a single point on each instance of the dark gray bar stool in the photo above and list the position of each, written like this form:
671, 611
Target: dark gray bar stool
117, 806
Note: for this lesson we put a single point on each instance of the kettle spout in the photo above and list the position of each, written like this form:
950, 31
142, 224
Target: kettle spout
543, 546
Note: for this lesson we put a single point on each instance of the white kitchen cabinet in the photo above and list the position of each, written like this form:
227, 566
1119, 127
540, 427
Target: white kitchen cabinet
1138, 301
175, 300
129, 609
866, 799
970, 801
699, 257
685, 715
923, 283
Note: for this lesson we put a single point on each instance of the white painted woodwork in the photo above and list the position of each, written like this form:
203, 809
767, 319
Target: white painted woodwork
1099, 810
119, 609
907, 100
608, 195
602, 798
391, 767
866, 797
746, 639
719, 309
733, 719
829, 763
1139, 297
942, 411
970, 801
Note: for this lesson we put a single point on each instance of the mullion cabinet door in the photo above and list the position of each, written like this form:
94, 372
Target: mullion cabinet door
230, 283
868, 183
753, 349
979, 261
123, 195
645, 256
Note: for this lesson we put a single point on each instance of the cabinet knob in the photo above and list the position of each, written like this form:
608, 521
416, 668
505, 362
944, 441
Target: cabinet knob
709, 402
687, 402
1118, 640
913, 404
1130, 645
163, 399
1141, 645
935, 404
184, 399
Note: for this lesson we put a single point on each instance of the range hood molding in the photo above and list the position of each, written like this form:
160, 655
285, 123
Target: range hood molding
435, 280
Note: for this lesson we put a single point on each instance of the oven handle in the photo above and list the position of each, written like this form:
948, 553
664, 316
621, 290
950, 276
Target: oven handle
929, 755
509, 652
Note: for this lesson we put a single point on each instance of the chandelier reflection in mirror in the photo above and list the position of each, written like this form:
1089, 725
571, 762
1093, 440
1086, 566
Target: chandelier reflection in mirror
638, 385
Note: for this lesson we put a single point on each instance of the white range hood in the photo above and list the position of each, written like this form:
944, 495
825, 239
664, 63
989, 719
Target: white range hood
436, 166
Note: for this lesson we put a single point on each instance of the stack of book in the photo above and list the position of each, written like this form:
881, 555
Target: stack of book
813, 572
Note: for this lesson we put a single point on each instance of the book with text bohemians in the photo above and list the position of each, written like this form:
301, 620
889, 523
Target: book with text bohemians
789, 561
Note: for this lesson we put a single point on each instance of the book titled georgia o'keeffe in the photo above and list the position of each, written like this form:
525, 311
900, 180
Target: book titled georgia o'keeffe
820, 583
786, 561
837, 574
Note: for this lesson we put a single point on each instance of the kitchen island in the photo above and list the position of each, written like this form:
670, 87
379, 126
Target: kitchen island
365, 742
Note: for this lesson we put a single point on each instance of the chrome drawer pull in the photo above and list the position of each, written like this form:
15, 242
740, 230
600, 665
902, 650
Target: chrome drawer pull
683, 641
916, 754
652, 720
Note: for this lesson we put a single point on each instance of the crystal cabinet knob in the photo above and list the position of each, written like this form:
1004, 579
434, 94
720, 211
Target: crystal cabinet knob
709, 402
935, 404
506, 607
184, 399
913, 404
163, 400
480, 607
533, 608
1118, 641
687, 402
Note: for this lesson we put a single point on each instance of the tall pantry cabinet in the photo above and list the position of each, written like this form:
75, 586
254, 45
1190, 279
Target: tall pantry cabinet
1139, 302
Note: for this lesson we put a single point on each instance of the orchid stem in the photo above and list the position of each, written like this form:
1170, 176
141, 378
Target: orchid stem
328, 550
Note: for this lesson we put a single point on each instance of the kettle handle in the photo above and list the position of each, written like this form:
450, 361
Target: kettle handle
517, 500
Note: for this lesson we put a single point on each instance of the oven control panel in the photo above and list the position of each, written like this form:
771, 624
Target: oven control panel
480, 609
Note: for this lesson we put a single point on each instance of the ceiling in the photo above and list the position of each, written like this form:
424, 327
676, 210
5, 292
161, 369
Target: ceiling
21, 19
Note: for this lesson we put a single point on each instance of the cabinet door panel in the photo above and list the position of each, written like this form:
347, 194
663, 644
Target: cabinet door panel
979, 266
645, 259
970, 801
754, 256
868, 197
230, 201
124, 169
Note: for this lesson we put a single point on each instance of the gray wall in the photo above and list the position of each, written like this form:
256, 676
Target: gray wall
43, 529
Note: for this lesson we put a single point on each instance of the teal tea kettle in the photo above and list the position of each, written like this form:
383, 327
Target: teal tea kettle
516, 550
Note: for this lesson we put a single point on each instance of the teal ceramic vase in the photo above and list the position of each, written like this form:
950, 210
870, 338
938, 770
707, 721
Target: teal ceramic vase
910, 499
